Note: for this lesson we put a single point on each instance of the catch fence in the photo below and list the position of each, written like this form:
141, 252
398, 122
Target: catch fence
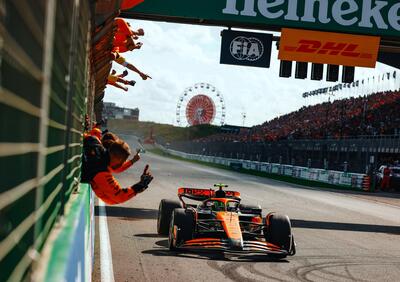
44, 66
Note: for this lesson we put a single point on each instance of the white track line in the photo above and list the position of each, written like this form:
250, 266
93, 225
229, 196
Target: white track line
106, 265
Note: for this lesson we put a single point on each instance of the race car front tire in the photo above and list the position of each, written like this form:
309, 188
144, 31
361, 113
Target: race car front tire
165, 210
279, 232
181, 228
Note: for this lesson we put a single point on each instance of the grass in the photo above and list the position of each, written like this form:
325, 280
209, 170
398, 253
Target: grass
166, 132
284, 178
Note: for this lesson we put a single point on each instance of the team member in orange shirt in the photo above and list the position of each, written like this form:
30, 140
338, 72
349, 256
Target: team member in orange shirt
94, 132
124, 30
110, 138
98, 164
124, 38
121, 60
126, 45
114, 80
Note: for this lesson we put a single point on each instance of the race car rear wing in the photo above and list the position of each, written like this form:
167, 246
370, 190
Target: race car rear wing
199, 194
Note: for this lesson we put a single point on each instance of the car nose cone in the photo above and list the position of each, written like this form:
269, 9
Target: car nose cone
236, 244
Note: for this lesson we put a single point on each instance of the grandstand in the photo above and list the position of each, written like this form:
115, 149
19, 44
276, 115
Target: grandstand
375, 114
372, 115
355, 134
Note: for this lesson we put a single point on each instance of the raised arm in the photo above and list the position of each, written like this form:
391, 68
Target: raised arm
110, 191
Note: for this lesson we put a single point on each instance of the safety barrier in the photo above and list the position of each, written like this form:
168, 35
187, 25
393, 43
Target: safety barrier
350, 180
69, 253
358, 153
43, 90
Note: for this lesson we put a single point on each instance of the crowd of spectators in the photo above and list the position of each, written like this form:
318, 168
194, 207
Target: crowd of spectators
375, 114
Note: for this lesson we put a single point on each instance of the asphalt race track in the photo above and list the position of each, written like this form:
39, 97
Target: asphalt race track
340, 236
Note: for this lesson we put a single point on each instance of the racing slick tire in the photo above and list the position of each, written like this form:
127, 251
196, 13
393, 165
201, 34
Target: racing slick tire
165, 210
279, 233
181, 228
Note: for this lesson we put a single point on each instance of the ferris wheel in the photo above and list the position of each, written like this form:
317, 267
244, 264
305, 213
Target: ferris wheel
201, 103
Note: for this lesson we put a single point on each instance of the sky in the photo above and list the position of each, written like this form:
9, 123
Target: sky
178, 56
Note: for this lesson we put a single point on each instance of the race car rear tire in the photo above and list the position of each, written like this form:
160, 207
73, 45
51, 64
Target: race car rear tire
279, 233
165, 210
183, 223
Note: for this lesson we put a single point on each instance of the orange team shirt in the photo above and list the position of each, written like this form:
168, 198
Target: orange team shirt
123, 32
107, 188
123, 29
123, 167
119, 46
95, 132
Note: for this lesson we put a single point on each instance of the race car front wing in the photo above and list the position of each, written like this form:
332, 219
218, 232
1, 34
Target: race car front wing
248, 246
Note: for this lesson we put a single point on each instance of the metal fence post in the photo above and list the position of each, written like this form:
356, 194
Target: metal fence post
70, 81
44, 107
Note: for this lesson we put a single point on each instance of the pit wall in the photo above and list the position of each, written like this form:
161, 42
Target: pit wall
44, 71
69, 255
353, 181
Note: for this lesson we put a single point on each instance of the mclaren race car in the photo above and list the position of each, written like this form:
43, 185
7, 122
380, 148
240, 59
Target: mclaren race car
220, 222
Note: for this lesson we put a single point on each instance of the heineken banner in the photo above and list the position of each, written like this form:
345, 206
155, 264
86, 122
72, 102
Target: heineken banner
371, 17
246, 48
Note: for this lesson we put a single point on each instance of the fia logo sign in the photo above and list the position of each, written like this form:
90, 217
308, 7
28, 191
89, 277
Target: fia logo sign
242, 48
246, 49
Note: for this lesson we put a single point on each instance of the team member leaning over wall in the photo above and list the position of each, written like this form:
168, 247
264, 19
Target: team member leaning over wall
124, 41
98, 165
115, 81
121, 60
124, 38
108, 139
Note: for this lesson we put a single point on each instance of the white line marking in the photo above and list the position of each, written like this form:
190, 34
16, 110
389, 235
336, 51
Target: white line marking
106, 265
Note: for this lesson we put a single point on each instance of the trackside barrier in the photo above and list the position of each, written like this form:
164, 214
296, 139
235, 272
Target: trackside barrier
366, 183
45, 65
351, 180
69, 255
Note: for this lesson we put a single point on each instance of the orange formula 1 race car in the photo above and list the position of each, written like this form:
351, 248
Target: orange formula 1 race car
221, 223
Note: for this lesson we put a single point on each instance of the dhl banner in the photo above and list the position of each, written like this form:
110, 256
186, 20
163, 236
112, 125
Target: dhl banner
328, 48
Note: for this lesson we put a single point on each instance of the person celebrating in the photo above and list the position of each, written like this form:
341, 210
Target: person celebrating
98, 165
122, 61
